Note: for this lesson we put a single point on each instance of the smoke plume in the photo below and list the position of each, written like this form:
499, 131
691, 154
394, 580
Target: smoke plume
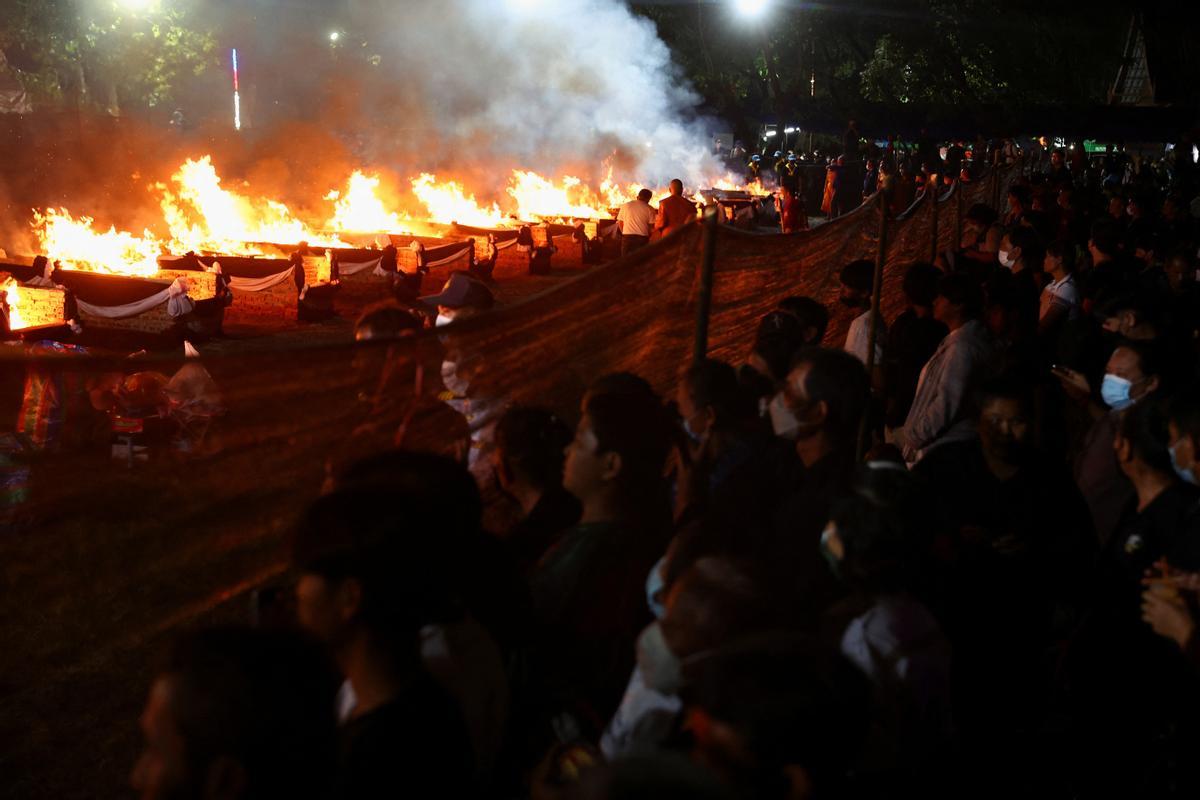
551, 85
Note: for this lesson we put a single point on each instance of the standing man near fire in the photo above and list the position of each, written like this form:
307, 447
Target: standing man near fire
675, 211
636, 219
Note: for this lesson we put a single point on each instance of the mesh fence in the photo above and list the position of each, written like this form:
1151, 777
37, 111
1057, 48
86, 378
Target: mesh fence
116, 530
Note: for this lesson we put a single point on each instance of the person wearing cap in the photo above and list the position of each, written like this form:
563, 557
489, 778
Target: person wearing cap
858, 281
461, 297
755, 168
636, 220
675, 211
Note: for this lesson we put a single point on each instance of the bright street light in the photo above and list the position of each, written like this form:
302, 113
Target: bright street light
333, 37
751, 8
138, 5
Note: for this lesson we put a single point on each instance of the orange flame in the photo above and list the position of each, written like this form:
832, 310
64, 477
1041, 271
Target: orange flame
13, 290
205, 216
449, 202
75, 245
360, 209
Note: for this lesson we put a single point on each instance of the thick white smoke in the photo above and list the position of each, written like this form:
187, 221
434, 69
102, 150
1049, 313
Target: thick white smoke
544, 84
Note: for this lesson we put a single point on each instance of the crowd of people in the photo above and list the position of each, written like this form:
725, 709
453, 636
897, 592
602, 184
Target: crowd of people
972, 570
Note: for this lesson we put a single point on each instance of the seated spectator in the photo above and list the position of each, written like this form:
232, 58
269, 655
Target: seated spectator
239, 713
1060, 299
1134, 317
778, 716
913, 339
827, 394
1022, 550
813, 317
588, 589
858, 280
1183, 425
719, 465
939, 414
367, 591
1165, 520
1128, 681
463, 296
528, 459
712, 602
1131, 376
872, 542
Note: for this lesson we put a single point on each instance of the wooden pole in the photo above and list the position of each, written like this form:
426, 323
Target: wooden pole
933, 244
704, 301
958, 214
876, 294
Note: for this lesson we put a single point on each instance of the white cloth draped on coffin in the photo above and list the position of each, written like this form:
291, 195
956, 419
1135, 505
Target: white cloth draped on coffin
256, 284
175, 296
354, 267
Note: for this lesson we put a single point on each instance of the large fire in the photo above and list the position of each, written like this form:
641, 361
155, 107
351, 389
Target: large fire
449, 202
201, 215
360, 209
74, 244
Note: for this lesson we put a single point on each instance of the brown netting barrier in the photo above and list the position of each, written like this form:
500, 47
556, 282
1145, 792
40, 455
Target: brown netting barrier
108, 545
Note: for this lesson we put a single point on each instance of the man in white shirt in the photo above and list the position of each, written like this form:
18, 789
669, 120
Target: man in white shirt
636, 220
858, 279
939, 412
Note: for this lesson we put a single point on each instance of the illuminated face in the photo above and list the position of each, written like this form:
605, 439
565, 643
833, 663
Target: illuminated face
1003, 428
585, 470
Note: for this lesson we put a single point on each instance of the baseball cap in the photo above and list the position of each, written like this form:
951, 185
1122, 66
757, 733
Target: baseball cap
461, 291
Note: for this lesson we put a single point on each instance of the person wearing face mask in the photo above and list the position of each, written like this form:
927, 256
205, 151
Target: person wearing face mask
719, 462
710, 603
1183, 425
1131, 376
462, 296
1128, 680
798, 322
827, 393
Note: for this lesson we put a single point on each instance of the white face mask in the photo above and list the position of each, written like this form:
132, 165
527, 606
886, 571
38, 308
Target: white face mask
443, 320
661, 669
783, 421
451, 380
1006, 259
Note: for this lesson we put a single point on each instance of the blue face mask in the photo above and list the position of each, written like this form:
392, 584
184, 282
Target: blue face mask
654, 587
1114, 391
1186, 475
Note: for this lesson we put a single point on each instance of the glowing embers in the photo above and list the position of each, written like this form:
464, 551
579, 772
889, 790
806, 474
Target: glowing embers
74, 244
